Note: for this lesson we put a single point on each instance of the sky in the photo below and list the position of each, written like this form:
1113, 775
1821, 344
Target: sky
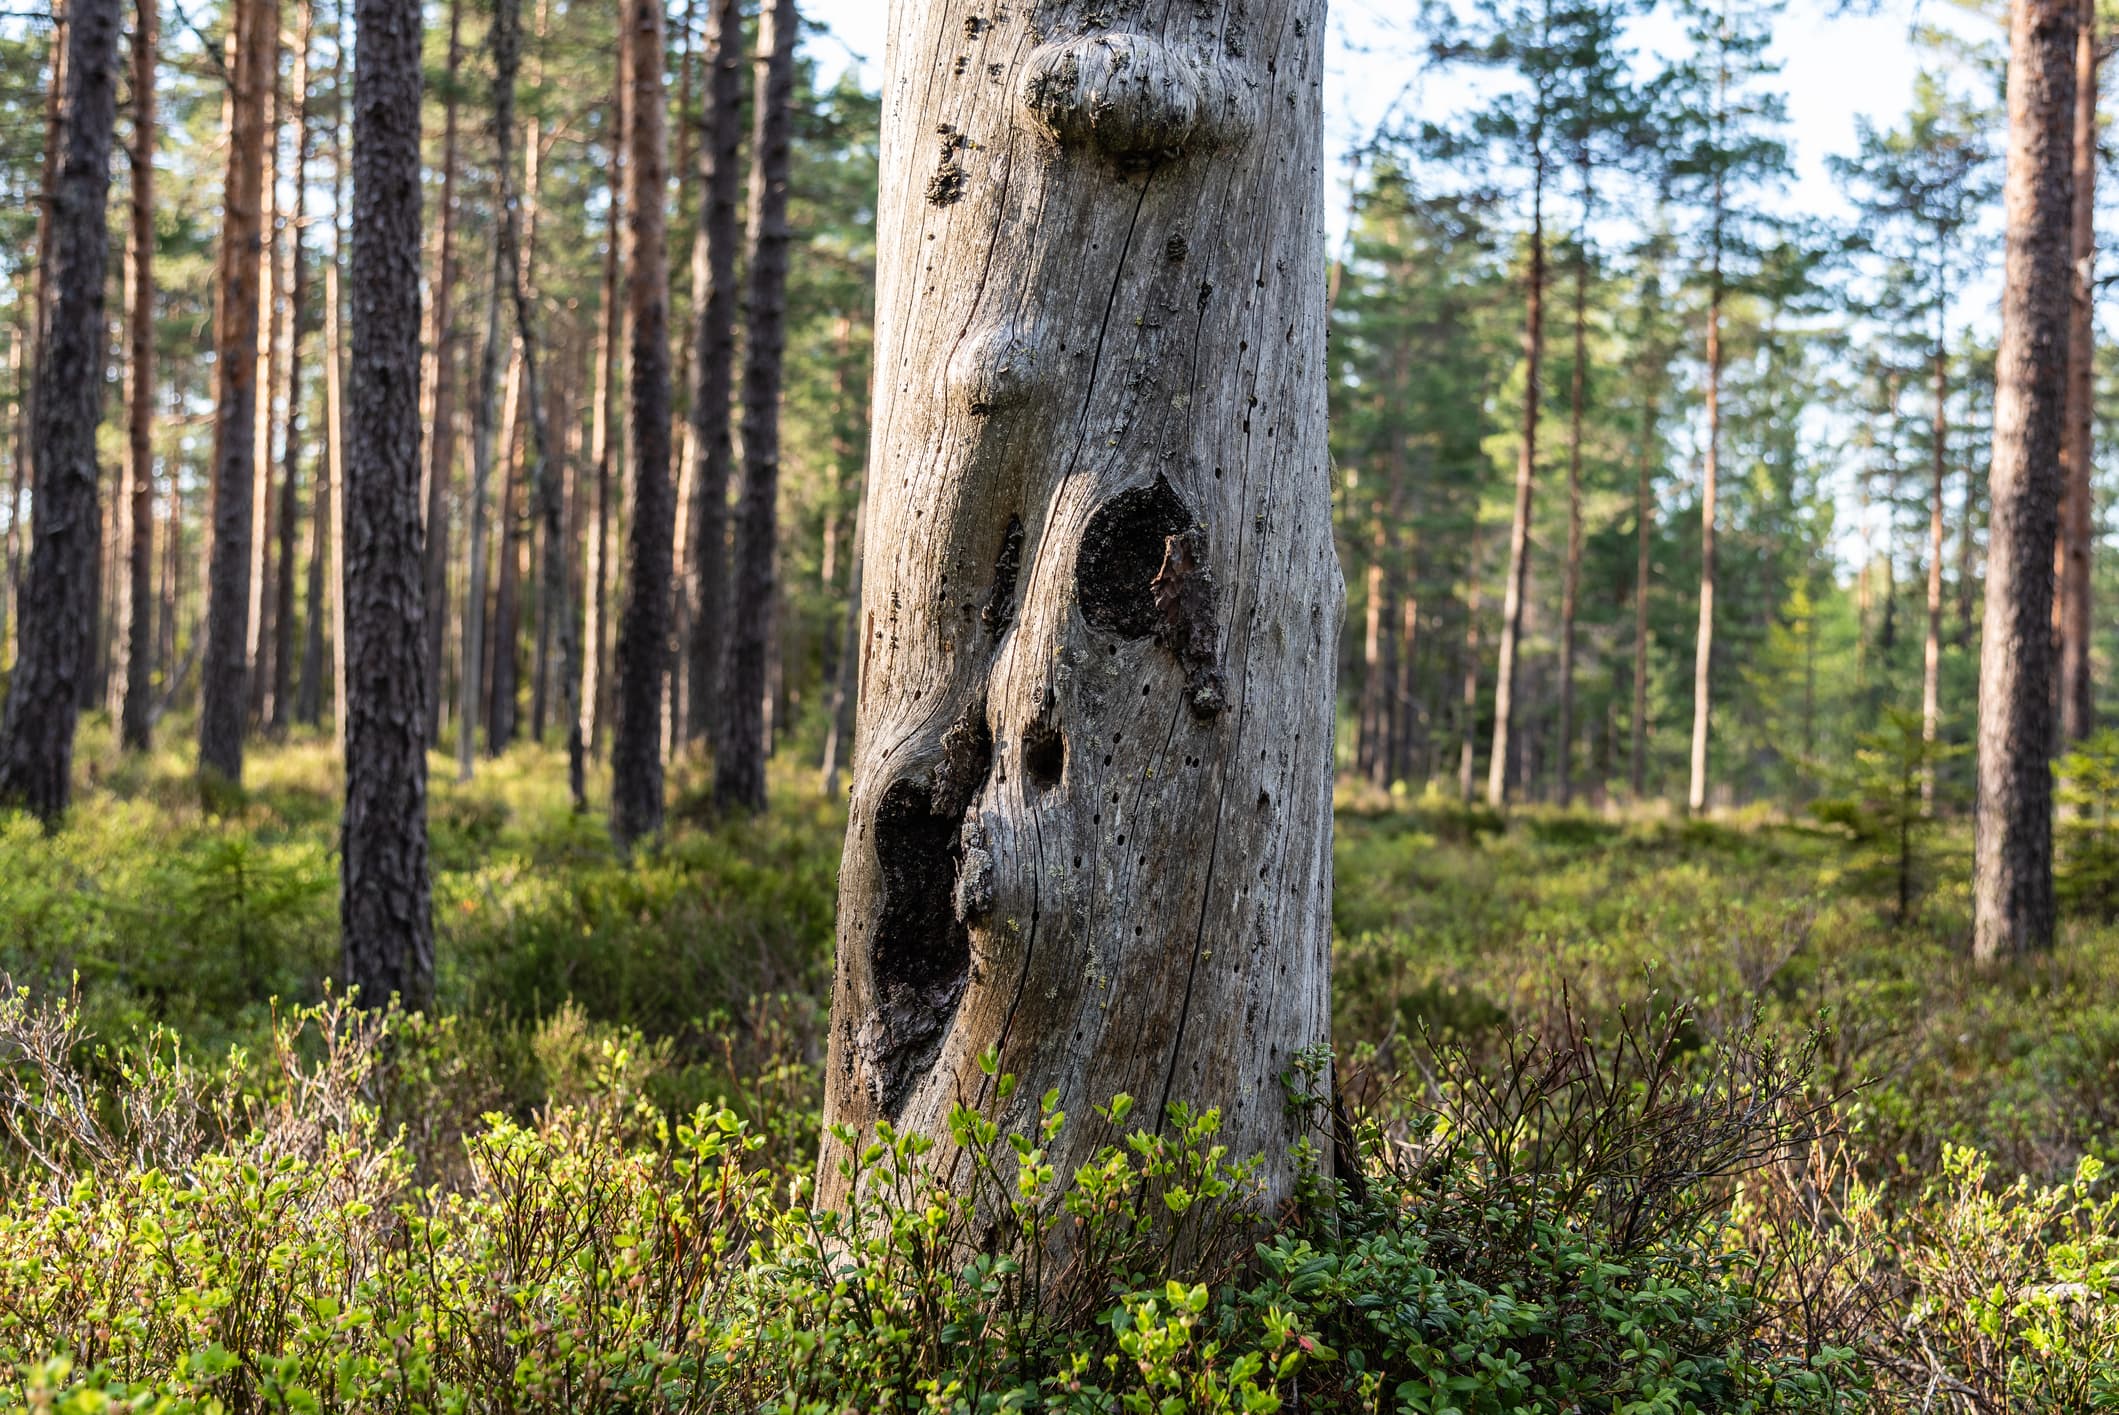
1836, 67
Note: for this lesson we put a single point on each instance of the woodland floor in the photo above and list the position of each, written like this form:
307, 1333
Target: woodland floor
715, 947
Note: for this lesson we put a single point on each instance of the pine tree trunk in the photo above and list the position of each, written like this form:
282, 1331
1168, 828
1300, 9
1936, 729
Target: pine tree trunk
40, 309
258, 640
644, 633
713, 369
2012, 869
554, 587
135, 719
1644, 533
1468, 706
1703, 644
335, 385
1571, 588
1931, 650
739, 765
384, 913
470, 705
440, 387
18, 418
280, 706
1091, 812
1526, 476
501, 676
2078, 713
225, 674
603, 420
37, 727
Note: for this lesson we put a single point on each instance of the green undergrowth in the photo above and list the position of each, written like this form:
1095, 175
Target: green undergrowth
1636, 1114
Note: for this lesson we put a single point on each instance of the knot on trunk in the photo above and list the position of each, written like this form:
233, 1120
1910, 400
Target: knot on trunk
1135, 98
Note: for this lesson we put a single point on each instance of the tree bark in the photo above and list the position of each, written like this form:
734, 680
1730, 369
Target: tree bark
1703, 643
2012, 872
384, 911
37, 727
225, 673
335, 384
257, 637
280, 704
1644, 534
2078, 712
603, 419
471, 670
1931, 650
549, 473
1526, 475
1571, 587
135, 718
1091, 812
1468, 706
739, 763
713, 368
644, 632
440, 386
501, 676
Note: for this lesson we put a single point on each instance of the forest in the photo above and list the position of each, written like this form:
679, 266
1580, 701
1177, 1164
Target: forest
780, 705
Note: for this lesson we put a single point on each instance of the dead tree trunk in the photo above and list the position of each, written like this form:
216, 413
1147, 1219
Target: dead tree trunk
1512, 593
226, 669
37, 728
1091, 808
2012, 858
135, 726
384, 910
746, 740
644, 631
1571, 587
501, 676
2078, 712
713, 367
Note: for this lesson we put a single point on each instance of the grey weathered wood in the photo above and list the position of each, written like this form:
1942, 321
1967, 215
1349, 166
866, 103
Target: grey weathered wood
1091, 807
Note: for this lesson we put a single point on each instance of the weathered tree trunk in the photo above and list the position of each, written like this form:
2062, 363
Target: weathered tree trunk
644, 631
40, 308
2012, 868
37, 728
2078, 712
739, 761
384, 903
135, 724
439, 405
18, 473
1091, 813
280, 705
1512, 595
1931, 650
225, 673
1703, 644
713, 367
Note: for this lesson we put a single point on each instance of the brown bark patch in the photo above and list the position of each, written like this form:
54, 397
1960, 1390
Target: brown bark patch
1183, 590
